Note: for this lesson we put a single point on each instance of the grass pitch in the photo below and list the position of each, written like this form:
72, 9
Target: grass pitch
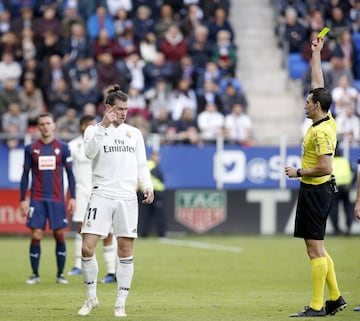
192, 278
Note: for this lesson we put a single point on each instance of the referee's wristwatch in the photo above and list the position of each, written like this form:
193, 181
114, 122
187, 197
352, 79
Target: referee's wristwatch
298, 172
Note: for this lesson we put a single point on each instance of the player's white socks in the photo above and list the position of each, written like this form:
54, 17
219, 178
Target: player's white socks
124, 275
78, 245
90, 272
110, 258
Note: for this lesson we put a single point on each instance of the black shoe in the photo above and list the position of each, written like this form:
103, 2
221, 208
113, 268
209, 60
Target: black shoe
309, 312
331, 307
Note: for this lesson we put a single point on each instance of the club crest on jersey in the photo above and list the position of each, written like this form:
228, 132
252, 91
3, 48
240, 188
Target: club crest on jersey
88, 224
128, 134
57, 151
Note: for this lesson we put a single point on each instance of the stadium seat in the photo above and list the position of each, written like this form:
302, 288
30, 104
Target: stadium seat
297, 65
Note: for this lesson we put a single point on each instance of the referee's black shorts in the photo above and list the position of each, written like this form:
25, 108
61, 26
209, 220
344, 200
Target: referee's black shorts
314, 202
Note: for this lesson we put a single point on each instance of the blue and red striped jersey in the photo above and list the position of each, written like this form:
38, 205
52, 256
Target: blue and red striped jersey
47, 163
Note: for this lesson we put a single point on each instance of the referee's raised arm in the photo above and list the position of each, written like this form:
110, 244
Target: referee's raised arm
317, 78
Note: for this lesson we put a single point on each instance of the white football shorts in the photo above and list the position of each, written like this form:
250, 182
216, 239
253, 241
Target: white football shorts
105, 215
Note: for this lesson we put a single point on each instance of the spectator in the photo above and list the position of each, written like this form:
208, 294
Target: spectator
85, 94
127, 42
326, 53
354, 16
194, 18
137, 103
54, 70
136, 66
107, 71
10, 42
348, 127
67, 126
158, 97
25, 20
115, 5
337, 22
209, 96
238, 126
31, 70
104, 44
84, 66
122, 21
28, 47
5, 21
211, 72
70, 18
231, 96
143, 23
343, 94
9, 68
219, 22
32, 102
188, 71
173, 44
139, 121
210, 123
14, 118
160, 68
148, 47
100, 20
76, 45
49, 46
165, 20
164, 126
47, 22
8, 94
182, 96
336, 70
199, 48
346, 45
295, 33
59, 98
187, 129
316, 20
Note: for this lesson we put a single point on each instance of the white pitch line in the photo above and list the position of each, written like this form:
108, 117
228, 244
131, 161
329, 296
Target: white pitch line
201, 245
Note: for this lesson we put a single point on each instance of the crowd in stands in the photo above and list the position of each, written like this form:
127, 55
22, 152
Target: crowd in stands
176, 59
298, 21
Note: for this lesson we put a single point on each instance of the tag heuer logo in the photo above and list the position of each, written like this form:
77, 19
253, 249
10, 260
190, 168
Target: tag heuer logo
200, 210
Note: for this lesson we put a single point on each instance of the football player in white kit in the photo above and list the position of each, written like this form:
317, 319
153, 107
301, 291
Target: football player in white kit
119, 162
82, 167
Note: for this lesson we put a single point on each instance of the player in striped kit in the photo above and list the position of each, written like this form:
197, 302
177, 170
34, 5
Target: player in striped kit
47, 158
119, 162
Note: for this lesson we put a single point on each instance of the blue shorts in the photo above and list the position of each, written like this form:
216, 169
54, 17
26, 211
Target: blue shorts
47, 210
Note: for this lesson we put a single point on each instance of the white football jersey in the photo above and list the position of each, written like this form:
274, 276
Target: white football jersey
119, 160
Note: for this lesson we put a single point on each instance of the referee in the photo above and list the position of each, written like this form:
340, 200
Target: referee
316, 191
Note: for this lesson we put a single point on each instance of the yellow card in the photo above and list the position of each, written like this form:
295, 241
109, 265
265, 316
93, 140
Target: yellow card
323, 32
